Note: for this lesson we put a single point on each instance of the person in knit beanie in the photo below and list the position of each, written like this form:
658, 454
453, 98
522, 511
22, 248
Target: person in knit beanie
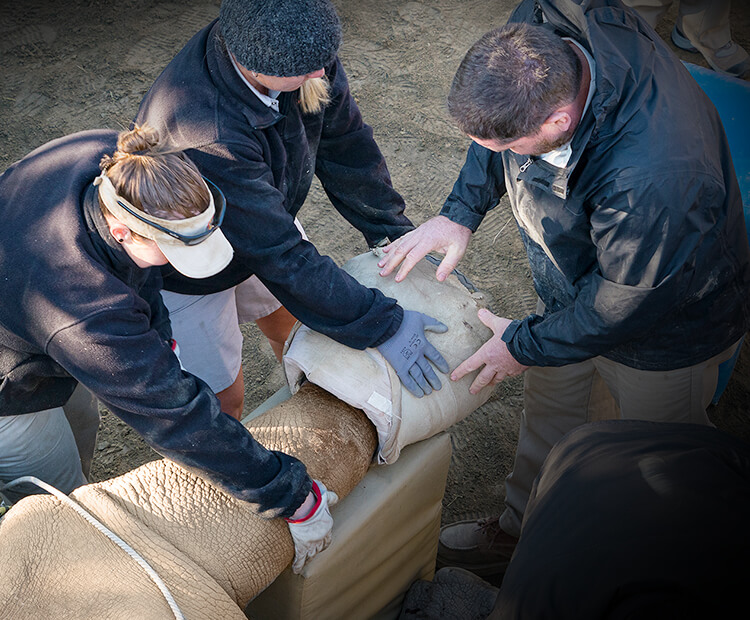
281, 37
282, 45
260, 102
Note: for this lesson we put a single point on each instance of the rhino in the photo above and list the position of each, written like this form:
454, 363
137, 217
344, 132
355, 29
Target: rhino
211, 552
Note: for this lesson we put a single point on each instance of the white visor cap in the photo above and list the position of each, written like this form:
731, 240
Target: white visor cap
201, 260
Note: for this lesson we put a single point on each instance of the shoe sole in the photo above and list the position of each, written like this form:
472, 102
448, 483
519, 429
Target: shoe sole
682, 41
490, 569
725, 73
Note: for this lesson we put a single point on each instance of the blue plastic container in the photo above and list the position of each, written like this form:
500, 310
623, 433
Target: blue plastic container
731, 97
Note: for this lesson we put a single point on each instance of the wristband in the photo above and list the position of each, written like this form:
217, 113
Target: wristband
318, 500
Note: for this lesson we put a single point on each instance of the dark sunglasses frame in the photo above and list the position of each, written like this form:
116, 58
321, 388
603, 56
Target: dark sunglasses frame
220, 207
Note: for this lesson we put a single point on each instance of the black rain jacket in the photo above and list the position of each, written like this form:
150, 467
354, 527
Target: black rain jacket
638, 248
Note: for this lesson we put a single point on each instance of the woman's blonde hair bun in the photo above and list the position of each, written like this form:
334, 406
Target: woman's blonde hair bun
153, 178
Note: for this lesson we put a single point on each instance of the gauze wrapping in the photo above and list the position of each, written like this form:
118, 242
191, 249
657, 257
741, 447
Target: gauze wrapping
364, 380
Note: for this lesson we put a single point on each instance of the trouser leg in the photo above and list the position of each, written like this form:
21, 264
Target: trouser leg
651, 10
42, 445
705, 23
207, 331
82, 413
556, 400
681, 395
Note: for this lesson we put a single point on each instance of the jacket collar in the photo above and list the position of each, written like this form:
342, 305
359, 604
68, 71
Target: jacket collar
567, 16
258, 115
537, 172
108, 251
571, 18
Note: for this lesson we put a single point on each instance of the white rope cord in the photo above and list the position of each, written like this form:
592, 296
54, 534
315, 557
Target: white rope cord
108, 533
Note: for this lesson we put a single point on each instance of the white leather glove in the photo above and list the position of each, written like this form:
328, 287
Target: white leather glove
176, 351
312, 534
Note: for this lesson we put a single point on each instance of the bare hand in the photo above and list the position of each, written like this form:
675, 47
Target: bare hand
438, 234
493, 355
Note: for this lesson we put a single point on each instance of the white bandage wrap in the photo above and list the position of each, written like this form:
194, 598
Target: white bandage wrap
364, 380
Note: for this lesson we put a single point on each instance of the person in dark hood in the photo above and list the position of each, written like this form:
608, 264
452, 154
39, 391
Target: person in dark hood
627, 519
621, 182
87, 221
260, 102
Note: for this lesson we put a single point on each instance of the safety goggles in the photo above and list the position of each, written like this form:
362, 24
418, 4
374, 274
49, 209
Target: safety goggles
220, 207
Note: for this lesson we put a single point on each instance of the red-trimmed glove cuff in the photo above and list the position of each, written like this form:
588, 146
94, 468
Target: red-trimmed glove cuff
318, 500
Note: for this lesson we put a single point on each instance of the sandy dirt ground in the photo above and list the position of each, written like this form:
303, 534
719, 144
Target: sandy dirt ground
71, 65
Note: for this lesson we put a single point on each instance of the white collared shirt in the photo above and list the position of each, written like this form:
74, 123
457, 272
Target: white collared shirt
271, 99
561, 155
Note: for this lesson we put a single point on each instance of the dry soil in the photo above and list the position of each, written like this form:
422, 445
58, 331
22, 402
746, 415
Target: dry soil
70, 65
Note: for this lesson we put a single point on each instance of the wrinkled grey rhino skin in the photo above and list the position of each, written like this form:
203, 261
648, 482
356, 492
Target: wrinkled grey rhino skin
212, 551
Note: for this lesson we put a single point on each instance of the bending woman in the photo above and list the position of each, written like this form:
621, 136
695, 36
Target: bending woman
261, 103
85, 218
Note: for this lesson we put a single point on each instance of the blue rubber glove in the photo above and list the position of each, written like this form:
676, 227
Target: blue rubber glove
408, 351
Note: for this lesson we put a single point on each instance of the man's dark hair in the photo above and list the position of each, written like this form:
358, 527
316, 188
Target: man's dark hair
511, 80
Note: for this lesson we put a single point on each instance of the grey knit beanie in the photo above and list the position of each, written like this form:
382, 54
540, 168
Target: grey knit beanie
281, 37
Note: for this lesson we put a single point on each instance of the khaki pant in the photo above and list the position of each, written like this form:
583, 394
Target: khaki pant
82, 413
704, 22
55, 445
557, 400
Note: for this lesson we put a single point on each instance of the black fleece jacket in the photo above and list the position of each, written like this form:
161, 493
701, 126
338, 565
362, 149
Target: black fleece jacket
76, 308
264, 162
